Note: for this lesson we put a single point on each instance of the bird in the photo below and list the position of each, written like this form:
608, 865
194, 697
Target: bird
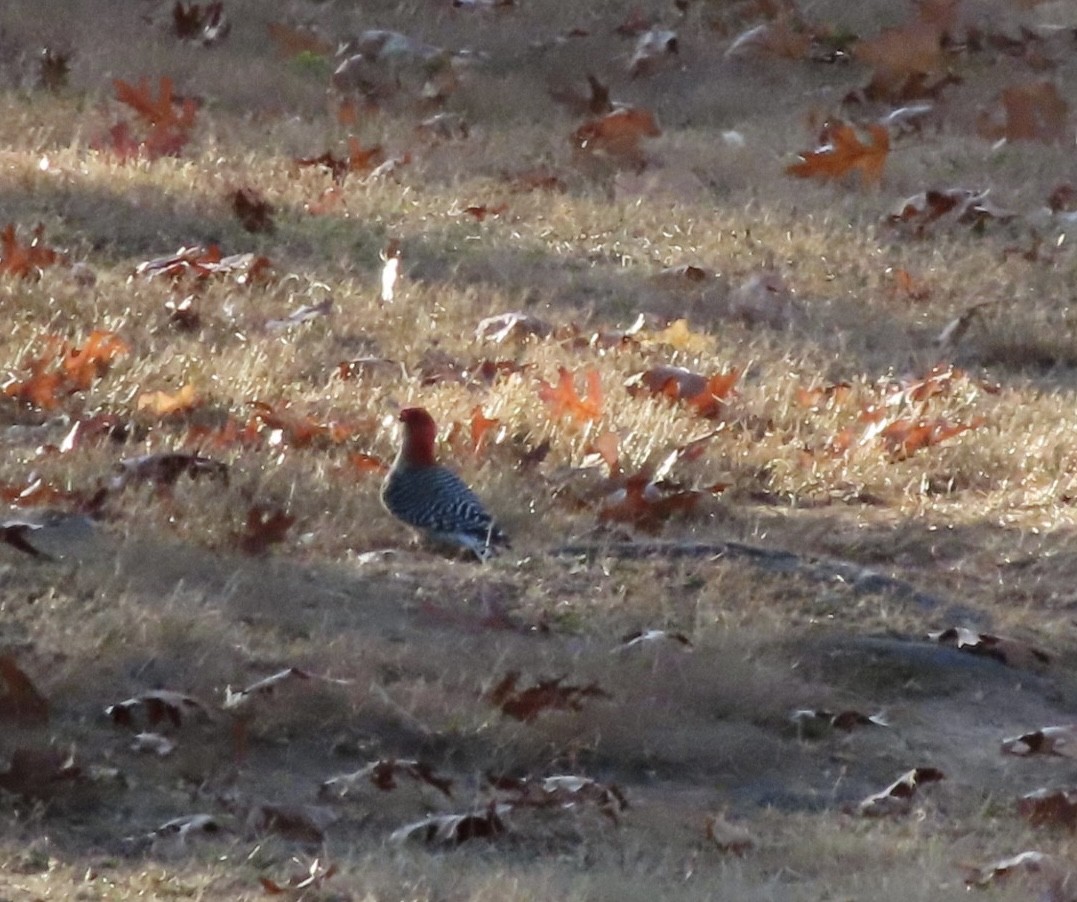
431, 498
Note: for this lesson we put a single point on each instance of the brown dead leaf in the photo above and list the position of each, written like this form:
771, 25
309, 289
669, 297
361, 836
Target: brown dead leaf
383, 775
298, 823
1031, 112
1023, 863
606, 445
1055, 741
643, 504
897, 797
158, 706
546, 695
727, 836
917, 213
164, 469
313, 878
517, 326
14, 533
252, 210
267, 687
899, 54
1011, 652
454, 829
204, 24
21, 704
304, 314
265, 526
814, 723
560, 791
1049, 808
40, 772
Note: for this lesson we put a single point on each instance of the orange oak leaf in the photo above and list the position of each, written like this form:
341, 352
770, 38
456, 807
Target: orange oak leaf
1031, 112
25, 260
904, 437
265, 526
643, 504
562, 400
606, 445
841, 151
617, 134
164, 404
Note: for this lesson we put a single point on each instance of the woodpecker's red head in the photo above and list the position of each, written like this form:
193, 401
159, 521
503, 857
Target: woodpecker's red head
420, 431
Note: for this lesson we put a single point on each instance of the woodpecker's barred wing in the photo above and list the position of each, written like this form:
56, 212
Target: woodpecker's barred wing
436, 500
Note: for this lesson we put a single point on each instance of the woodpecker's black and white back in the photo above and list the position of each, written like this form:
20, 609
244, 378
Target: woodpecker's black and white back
432, 499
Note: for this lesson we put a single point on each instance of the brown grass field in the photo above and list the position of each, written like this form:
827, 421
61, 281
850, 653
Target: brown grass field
862, 481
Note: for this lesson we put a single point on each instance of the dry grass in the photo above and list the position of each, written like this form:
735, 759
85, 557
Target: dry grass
156, 593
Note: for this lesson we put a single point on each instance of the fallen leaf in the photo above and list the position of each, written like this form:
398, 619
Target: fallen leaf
916, 214
298, 823
383, 775
265, 526
679, 335
727, 836
178, 830
706, 395
165, 404
1049, 808
897, 797
641, 638
841, 151
813, 723
40, 772
267, 687
655, 48
165, 468
563, 401
546, 695
303, 315
313, 879
153, 743
205, 24
517, 326
252, 210
1025, 862
643, 504
1011, 652
560, 791
454, 829
899, 54
786, 37
25, 261
158, 706
617, 135
14, 533
1032, 112
21, 704
606, 445
1056, 741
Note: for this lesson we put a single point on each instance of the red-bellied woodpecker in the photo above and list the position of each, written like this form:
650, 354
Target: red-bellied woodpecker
432, 499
